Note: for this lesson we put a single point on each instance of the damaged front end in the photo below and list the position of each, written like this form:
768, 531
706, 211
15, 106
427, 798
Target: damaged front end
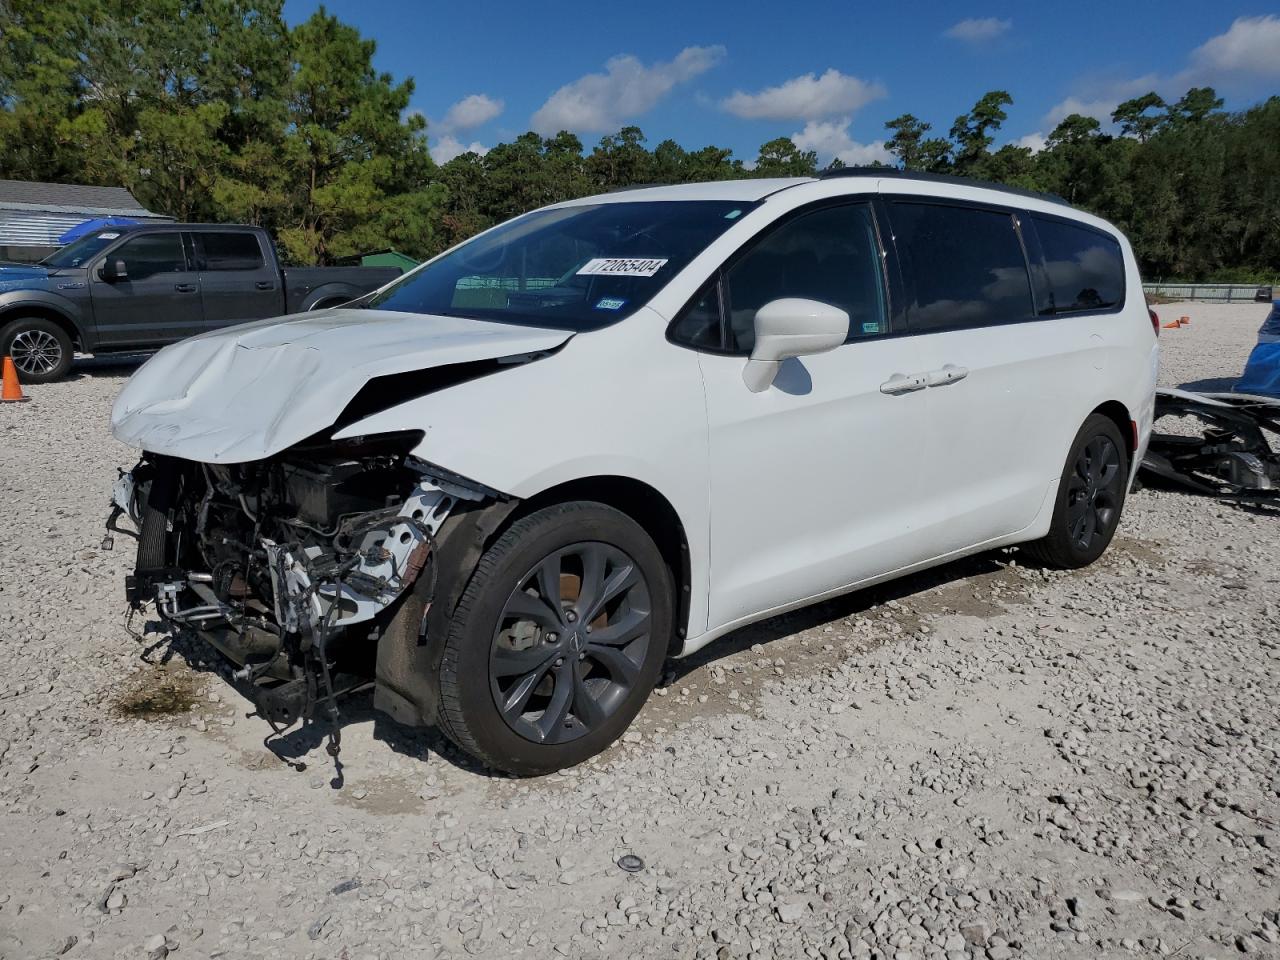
291, 566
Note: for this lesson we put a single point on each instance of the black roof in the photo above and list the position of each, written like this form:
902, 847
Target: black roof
894, 172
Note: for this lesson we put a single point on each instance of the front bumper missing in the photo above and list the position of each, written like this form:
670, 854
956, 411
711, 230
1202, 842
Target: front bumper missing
313, 588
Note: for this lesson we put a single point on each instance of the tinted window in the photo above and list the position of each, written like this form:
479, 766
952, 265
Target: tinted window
151, 254
965, 266
1085, 267
830, 255
699, 324
229, 251
575, 268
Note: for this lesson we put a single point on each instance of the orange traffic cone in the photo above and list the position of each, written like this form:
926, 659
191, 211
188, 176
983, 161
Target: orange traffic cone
1184, 321
1171, 325
12, 392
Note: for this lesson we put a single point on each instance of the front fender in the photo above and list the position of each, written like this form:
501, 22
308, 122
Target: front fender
621, 401
13, 302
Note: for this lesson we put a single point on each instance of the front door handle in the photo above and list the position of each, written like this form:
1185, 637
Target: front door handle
265, 285
947, 373
904, 383
185, 287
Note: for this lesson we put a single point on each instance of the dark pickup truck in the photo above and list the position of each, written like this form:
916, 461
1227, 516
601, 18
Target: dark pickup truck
130, 289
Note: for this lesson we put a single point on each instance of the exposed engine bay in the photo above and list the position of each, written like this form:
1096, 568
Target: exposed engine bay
286, 564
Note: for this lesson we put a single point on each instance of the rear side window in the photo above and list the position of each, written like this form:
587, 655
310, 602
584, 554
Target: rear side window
229, 251
964, 266
1085, 267
830, 255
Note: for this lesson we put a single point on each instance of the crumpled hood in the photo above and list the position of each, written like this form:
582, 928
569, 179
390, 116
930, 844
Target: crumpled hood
250, 391
14, 276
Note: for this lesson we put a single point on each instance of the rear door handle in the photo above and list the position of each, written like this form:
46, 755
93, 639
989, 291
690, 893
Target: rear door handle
265, 285
947, 373
904, 383
185, 287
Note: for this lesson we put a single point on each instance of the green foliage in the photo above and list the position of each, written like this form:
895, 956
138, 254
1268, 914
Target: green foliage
216, 110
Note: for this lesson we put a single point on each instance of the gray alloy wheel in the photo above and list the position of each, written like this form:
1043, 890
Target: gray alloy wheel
570, 642
40, 349
1094, 491
35, 352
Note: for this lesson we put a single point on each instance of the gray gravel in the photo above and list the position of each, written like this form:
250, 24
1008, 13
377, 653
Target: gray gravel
984, 761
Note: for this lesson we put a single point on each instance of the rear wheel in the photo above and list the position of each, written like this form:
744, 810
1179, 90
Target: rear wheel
1090, 497
557, 640
41, 350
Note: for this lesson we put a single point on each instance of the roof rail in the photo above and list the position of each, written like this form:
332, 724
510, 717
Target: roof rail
895, 173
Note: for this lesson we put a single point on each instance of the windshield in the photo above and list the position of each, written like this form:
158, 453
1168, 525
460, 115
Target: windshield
76, 253
574, 268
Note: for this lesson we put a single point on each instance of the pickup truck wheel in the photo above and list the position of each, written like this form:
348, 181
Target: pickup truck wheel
557, 640
41, 350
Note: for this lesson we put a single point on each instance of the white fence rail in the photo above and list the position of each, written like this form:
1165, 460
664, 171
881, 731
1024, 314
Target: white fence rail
1218, 292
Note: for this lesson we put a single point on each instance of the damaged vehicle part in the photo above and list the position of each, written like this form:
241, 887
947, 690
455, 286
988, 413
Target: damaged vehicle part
1232, 457
632, 424
271, 560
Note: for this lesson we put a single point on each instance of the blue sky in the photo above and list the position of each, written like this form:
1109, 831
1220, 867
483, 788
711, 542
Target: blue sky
827, 74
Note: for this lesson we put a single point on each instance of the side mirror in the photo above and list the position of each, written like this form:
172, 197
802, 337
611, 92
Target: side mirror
113, 271
792, 327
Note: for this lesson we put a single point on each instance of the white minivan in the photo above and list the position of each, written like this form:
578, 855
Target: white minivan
505, 487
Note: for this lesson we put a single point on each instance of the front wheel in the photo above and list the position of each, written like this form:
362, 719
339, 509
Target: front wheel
41, 350
557, 640
1090, 498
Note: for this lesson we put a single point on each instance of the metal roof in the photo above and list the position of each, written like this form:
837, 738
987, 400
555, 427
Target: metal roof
69, 198
36, 214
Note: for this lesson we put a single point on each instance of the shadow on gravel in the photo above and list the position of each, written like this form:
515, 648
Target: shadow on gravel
1210, 385
807, 618
291, 746
111, 366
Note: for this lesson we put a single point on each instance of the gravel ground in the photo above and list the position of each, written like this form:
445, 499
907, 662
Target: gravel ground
985, 761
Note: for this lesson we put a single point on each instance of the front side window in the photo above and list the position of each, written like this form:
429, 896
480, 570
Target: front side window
229, 251
152, 254
830, 255
1085, 267
573, 268
964, 266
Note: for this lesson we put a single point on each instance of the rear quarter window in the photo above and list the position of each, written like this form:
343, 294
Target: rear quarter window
1085, 267
230, 251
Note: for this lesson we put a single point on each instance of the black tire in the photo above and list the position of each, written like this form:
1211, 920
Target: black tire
1090, 498
41, 350
470, 680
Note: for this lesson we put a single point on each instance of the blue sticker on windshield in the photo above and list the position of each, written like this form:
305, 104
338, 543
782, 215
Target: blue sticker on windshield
611, 303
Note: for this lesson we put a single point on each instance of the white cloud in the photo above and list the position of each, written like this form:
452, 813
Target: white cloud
471, 112
602, 101
1239, 58
832, 140
978, 29
1249, 49
448, 146
1035, 142
807, 97
1099, 109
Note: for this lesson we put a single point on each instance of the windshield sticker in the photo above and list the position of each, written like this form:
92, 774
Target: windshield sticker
611, 303
620, 267
107, 236
733, 214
